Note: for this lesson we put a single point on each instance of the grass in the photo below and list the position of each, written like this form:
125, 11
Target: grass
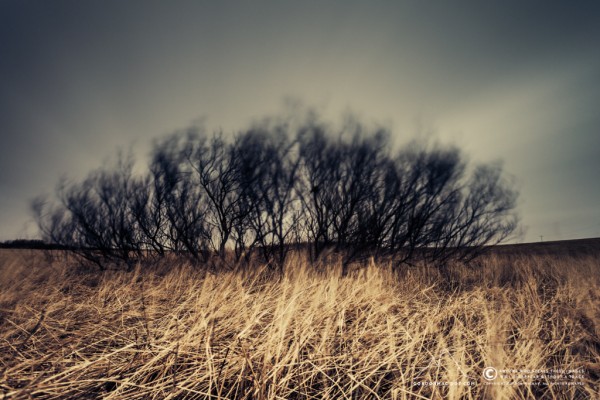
312, 333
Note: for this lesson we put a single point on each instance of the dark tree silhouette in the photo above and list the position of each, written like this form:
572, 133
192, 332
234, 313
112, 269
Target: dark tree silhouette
276, 186
267, 173
178, 211
94, 218
340, 182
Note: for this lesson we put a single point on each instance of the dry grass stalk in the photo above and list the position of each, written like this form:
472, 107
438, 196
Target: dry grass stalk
184, 334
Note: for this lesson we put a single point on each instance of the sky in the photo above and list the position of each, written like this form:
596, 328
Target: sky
517, 81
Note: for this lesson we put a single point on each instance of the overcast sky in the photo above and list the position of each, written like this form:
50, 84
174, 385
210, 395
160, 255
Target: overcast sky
511, 80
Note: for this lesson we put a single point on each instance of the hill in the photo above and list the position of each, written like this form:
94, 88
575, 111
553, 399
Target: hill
570, 248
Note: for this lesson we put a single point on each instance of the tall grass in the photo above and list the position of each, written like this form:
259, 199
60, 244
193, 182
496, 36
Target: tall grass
311, 333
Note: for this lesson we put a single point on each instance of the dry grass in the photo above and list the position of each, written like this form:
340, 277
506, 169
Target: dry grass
183, 334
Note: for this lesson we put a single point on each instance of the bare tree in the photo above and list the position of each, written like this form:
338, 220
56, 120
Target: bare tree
94, 218
341, 182
266, 170
178, 210
419, 204
213, 168
276, 185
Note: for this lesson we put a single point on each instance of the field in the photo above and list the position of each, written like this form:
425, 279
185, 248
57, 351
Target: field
532, 313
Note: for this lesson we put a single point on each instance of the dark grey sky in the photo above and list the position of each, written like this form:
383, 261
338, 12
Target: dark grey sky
511, 80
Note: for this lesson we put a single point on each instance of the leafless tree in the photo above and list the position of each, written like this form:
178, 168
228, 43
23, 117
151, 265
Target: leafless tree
94, 218
178, 211
266, 170
418, 204
340, 182
274, 186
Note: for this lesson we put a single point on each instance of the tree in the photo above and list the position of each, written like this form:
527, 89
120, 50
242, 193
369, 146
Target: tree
267, 169
178, 210
276, 185
340, 179
94, 218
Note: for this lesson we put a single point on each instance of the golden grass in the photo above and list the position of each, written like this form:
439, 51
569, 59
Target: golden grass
179, 333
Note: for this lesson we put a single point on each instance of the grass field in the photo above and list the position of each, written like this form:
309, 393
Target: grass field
534, 316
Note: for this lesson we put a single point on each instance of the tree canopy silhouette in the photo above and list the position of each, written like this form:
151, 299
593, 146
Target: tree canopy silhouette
277, 186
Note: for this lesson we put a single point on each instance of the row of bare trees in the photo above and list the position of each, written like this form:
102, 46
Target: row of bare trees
275, 187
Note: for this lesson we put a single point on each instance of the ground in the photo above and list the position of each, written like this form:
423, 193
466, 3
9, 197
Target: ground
522, 322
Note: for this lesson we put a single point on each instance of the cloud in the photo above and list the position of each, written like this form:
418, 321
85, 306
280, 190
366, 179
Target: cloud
509, 80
